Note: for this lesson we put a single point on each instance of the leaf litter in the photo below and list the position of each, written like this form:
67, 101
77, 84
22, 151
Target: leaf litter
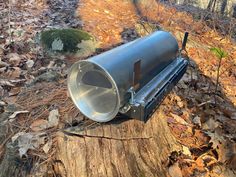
28, 141
207, 132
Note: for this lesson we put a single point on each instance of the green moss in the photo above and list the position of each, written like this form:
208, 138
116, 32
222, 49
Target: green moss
66, 39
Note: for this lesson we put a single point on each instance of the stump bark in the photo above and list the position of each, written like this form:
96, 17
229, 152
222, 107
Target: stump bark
119, 148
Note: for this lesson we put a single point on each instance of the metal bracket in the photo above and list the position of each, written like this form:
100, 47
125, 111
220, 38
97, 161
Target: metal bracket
132, 93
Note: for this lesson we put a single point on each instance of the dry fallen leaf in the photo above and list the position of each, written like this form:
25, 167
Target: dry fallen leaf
47, 146
2, 103
186, 151
228, 113
14, 58
108, 31
4, 82
17, 81
51, 64
13, 139
12, 117
216, 139
232, 161
210, 124
13, 73
53, 118
179, 119
174, 170
39, 125
14, 91
3, 64
197, 121
199, 162
226, 152
28, 141
224, 147
208, 159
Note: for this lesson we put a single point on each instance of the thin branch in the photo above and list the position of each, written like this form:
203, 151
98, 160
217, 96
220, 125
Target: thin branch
106, 137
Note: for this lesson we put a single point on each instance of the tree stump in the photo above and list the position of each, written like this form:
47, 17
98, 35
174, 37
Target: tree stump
122, 147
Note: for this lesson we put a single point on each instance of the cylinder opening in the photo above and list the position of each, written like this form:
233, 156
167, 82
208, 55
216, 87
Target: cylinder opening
93, 91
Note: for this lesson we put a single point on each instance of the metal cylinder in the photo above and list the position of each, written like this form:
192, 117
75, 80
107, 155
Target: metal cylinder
99, 86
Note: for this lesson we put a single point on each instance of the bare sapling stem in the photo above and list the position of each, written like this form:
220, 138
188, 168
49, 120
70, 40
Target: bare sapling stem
217, 77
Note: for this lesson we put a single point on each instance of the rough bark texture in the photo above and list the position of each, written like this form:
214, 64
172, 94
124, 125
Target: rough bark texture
119, 148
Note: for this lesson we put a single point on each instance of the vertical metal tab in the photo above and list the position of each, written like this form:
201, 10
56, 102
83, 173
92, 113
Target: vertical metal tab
137, 74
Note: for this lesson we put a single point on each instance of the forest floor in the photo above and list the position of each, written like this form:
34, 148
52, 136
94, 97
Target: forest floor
34, 103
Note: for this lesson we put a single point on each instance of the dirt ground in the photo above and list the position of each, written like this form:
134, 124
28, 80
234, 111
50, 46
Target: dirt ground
35, 105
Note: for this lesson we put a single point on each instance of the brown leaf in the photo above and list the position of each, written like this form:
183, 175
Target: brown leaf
47, 146
39, 125
14, 91
174, 170
228, 113
179, 119
14, 73
14, 58
216, 139
14, 115
186, 151
6, 83
28, 141
3, 64
210, 124
197, 121
53, 118
200, 162
232, 161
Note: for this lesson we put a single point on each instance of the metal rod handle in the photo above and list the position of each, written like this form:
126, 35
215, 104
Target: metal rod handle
185, 40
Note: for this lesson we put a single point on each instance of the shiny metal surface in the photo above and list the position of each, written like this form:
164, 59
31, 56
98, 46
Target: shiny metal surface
93, 91
99, 86
151, 95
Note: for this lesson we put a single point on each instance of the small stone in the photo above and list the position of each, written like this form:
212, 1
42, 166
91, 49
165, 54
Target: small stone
30, 63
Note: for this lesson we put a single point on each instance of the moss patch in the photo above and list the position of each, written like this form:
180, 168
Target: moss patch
64, 40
